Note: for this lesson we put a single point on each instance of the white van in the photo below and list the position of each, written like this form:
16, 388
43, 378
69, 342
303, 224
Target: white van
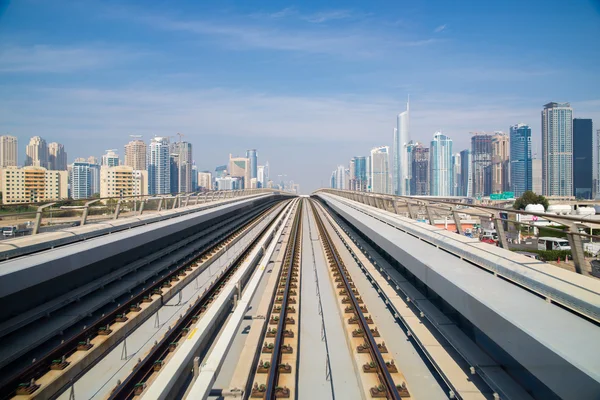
553, 243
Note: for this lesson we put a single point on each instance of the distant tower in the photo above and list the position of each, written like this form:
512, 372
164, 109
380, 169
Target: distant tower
520, 159
557, 149
159, 170
401, 179
135, 154
37, 153
440, 183
110, 159
57, 157
380, 170
8, 151
252, 155
583, 153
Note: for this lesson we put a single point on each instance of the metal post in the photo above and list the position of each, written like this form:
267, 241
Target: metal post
175, 202
457, 222
142, 204
577, 250
411, 212
86, 210
394, 206
429, 215
501, 233
196, 367
38, 218
118, 209
160, 202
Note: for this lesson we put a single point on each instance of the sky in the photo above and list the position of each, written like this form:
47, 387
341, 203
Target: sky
309, 84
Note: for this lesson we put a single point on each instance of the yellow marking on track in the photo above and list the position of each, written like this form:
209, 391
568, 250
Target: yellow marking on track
192, 333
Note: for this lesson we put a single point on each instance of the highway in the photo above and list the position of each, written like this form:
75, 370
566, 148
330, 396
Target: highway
286, 297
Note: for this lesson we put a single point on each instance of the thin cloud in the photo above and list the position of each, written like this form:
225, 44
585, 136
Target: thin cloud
327, 16
439, 28
53, 59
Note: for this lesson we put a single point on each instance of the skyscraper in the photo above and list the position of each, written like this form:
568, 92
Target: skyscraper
500, 160
380, 170
419, 183
37, 152
466, 173
401, 180
110, 159
173, 171
181, 153
194, 177
240, 167
252, 155
340, 177
135, 154
81, 180
57, 157
440, 176
260, 175
520, 159
583, 165
360, 173
456, 175
9, 154
557, 149
536, 176
159, 173
481, 156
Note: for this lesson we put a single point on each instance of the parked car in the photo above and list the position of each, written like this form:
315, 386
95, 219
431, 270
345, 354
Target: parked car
9, 231
528, 254
489, 239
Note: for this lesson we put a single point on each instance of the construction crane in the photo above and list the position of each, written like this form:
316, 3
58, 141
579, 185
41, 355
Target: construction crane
135, 136
180, 136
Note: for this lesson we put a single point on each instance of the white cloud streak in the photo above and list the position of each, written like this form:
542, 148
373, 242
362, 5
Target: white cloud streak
439, 28
53, 59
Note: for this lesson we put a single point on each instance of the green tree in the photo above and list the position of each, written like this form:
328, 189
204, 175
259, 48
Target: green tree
529, 197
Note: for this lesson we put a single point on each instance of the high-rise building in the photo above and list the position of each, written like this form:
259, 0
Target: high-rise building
181, 171
332, 183
122, 181
419, 183
159, 167
57, 157
81, 180
229, 183
221, 171
456, 175
598, 164
174, 172
205, 180
194, 177
93, 160
380, 170
557, 149
32, 184
9, 153
500, 163
360, 173
135, 154
110, 159
95, 177
252, 155
369, 175
520, 159
466, 173
240, 167
36, 153
401, 180
260, 175
536, 176
440, 164
340, 177
481, 157
583, 153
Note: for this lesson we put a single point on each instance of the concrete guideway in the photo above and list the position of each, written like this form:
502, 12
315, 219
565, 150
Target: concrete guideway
167, 382
546, 342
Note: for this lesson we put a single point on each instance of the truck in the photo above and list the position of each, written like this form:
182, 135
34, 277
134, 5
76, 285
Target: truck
553, 243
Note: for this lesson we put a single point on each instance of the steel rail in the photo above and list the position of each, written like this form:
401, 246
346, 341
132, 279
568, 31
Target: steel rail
135, 382
43, 364
384, 375
292, 251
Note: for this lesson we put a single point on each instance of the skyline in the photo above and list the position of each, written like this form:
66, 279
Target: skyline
293, 81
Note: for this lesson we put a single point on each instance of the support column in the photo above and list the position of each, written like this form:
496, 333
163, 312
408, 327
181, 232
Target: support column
457, 222
394, 206
38, 218
577, 250
501, 232
142, 204
160, 203
86, 210
429, 215
118, 209
411, 212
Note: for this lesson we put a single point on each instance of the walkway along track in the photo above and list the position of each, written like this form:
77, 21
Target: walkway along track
277, 378
143, 372
383, 367
55, 362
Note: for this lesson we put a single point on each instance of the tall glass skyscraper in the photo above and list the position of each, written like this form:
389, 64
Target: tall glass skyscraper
466, 173
159, 171
520, 159
253, 156
380, 170
440, 181
583, 165
400, 178
419, 182
481, 155
557, 149
81, 180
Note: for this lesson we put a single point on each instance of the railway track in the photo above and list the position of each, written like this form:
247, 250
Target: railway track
80, 347
276, 372
159, 355
380, 375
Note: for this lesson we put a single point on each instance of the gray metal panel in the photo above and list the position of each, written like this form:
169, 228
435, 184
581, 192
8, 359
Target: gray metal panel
555, 345
24, 272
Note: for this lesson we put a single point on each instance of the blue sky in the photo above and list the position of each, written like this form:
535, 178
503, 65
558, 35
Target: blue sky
309, 84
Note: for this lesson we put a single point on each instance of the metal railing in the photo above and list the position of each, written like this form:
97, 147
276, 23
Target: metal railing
416, 206
116, 205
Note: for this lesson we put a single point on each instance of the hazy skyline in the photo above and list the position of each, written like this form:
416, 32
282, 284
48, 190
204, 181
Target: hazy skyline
308, 86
